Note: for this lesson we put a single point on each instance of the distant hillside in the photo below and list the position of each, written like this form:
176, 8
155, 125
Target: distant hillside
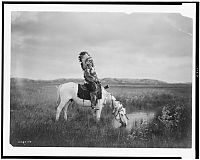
56, 81
121, 81
110, 81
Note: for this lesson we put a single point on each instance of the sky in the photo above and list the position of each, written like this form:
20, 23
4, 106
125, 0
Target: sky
46, 45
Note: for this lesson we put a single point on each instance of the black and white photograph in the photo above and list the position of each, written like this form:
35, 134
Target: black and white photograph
99, 80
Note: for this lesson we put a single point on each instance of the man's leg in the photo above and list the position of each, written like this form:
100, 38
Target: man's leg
93, 95
93, 99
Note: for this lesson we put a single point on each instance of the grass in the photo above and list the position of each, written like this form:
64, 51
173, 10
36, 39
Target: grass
33, 118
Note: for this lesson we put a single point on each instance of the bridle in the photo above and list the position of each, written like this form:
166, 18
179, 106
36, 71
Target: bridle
118, 110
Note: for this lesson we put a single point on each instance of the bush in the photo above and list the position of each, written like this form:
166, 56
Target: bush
173, 120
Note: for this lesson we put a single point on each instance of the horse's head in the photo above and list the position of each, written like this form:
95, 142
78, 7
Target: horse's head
120, 113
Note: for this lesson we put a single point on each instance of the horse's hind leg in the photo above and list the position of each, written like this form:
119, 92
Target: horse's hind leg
59, 108
65, 109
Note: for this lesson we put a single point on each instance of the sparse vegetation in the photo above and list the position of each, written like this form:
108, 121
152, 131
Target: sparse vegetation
33, 117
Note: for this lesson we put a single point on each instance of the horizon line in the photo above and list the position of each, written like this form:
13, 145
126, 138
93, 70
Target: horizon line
99, 78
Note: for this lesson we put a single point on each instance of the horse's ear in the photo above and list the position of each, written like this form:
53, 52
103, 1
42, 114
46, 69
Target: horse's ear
106, 87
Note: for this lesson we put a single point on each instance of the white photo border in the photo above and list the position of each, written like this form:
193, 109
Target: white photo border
187, 9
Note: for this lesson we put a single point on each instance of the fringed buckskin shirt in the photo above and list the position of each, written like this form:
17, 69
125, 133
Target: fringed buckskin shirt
90, 74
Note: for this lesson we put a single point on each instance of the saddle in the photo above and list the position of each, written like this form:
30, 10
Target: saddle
84, 92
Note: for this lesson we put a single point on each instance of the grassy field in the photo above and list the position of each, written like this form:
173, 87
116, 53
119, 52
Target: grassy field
33, 118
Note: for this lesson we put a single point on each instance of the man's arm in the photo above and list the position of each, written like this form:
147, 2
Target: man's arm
88, 76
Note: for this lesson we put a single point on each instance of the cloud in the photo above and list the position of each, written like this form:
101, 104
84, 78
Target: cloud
23, 17
123, 45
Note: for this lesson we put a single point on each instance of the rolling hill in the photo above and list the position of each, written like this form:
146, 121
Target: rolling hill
110, 81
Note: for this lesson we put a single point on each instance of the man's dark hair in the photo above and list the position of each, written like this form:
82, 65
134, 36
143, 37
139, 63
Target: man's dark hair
81, 55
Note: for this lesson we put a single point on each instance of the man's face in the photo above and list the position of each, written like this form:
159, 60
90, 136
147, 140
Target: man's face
84, 57
89, 65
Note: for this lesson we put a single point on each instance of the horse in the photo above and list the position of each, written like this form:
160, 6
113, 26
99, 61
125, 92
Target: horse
67, 93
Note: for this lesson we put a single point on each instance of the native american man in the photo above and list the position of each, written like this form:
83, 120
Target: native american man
90, 76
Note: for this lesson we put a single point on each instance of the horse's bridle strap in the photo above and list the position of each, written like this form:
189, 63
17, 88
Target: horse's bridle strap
119, 114
118, 110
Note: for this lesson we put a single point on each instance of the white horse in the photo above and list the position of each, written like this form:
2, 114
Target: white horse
67, 93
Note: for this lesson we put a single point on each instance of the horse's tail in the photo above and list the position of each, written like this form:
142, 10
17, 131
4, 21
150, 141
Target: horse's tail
58, 95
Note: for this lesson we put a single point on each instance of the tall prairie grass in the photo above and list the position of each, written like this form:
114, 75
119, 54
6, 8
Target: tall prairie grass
33, 118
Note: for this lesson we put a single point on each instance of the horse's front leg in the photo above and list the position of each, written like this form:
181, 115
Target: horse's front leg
98, 113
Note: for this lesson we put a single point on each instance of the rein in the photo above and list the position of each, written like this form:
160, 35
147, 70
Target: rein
118, 110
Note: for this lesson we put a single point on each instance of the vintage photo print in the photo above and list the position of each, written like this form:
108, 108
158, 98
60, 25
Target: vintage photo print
99, 79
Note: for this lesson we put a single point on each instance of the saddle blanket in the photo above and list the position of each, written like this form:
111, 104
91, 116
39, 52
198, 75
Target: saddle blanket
84, 93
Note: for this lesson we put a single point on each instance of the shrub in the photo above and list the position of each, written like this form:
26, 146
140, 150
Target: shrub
173, 120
